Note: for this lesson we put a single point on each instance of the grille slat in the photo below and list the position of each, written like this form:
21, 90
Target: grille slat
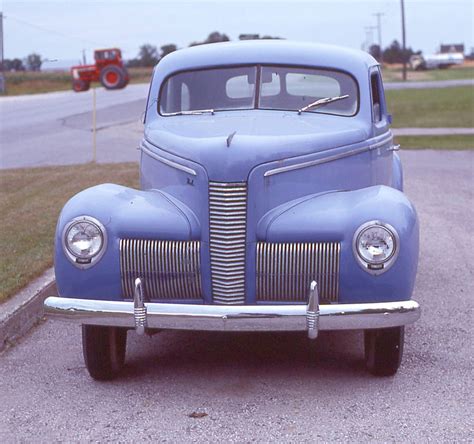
168, 269
227, 235
285, 270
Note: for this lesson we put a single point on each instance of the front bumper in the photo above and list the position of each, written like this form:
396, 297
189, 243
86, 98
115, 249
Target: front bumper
312, 317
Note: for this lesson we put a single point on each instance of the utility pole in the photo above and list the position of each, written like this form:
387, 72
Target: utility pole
369, 36
379, 31
2, 76
84, 57
403, 41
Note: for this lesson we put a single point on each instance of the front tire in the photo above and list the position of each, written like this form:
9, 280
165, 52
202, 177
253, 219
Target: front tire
79, 85
384, 350
104, 350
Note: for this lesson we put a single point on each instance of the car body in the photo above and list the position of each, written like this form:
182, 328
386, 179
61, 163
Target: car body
271, 200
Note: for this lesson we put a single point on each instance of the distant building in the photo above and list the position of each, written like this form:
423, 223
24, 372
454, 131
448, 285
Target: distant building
451, 47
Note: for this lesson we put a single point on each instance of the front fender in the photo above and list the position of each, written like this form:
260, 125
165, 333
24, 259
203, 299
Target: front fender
335, 216
125, 213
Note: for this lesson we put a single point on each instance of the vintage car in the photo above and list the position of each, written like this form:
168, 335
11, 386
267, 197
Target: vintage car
271, 200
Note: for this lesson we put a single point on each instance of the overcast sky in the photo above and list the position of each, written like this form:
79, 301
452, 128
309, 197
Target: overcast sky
60, 29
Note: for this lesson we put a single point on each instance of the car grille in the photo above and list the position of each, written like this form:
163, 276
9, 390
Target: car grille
285, 270
227, 235
168, 269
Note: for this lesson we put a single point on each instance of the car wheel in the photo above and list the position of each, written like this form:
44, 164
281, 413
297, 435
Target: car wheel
104, 350
384, 350
112, 77
79, 85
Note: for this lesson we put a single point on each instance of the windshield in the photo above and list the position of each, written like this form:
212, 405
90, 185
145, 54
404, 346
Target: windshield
280, 88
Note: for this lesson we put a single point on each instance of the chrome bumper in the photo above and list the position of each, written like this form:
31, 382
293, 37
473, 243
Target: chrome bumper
311, 318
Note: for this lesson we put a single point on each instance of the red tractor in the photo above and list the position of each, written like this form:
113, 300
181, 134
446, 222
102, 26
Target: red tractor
108, 70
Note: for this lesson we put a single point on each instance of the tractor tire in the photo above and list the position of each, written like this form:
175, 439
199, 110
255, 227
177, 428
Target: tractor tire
79, 85
104, 350
113, 77
126, 78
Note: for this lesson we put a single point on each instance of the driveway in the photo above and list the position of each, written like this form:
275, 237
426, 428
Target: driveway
263, 387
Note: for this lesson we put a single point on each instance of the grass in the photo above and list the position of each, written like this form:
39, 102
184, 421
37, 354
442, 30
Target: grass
30, 202
393, 73
441, 107
436, 142
40, 82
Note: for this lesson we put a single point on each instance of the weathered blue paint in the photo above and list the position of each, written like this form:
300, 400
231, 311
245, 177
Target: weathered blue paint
347, 175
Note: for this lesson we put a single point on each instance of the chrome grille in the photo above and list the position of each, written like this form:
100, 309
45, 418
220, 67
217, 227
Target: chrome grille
285, 270
168, 269
227, 231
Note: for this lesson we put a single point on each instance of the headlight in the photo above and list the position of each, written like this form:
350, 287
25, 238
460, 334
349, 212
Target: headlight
376, 246
84, 241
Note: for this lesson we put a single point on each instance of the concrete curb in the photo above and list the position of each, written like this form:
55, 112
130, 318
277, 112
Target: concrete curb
20, 313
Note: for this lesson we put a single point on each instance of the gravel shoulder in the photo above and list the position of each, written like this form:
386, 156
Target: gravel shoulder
266, 387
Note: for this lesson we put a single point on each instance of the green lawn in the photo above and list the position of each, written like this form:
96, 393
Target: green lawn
436, 142
438, 107
30, 202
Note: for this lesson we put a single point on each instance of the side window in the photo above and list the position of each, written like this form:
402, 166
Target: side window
376, 97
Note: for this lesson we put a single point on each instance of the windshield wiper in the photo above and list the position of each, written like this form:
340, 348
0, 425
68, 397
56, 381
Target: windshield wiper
321, 102
188, 113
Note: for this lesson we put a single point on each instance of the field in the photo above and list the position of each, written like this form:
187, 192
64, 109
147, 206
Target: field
40, 82
46, 81
442, 107
454, 142
31, 200
393, 73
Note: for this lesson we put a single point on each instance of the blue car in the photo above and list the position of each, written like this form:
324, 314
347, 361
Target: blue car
271, 200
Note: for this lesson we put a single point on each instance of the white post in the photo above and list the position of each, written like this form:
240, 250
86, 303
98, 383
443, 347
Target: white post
94, 127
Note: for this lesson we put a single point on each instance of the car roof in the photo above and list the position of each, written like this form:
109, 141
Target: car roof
279, 52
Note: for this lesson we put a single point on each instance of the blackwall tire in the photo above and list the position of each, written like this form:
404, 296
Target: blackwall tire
104, 350
112, 77
79, 85
384, 350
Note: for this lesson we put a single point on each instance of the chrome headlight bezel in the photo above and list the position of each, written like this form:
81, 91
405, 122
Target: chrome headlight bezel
376, 267
84, 261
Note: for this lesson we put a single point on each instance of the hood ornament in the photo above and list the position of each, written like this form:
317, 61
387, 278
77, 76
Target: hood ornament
230, 137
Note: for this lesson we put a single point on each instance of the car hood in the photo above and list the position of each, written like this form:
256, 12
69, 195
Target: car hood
229, 144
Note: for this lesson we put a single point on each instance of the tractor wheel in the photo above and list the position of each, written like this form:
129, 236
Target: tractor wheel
112, 77
126, 79
79, 85
104, 350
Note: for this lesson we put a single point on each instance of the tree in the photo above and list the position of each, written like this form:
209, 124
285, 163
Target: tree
213, 37
148, 55
33, 62
395, 54
257, 37
167, 49
13, 65
375, 52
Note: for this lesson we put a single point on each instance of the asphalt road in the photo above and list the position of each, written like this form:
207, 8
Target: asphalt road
266, 387
56, 128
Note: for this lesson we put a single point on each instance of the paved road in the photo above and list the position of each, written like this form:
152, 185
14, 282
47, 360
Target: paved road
55, 128
429, 84
275, 386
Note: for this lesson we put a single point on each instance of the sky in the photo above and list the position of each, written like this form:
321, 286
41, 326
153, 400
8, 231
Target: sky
61, 29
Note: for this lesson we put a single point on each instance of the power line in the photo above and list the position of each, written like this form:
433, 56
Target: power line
52, 31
